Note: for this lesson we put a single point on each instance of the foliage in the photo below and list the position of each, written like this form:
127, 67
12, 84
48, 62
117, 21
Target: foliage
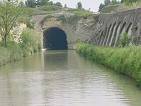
26, 20
21, 4
79, 5
101, 7
109, 8
108, 3
81, 13
30, 42
9, 13
124, 40
129, 2
10, 54
123, 60
42, 2
50, 8
58, 4
65, 6
30, 3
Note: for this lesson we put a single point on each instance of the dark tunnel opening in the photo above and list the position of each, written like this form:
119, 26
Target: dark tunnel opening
55, 39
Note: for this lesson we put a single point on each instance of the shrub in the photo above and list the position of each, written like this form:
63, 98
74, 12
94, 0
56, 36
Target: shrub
124, 40
27, 20
30, 42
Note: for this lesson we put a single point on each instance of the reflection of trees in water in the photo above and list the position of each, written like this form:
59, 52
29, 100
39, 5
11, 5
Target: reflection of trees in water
55, 60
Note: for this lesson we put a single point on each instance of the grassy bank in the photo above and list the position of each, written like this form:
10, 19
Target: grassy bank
28, 45
122, 60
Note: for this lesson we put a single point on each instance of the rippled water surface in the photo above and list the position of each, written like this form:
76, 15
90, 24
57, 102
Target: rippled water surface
63, 78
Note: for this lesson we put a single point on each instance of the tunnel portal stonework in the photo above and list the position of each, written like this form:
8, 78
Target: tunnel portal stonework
99, 29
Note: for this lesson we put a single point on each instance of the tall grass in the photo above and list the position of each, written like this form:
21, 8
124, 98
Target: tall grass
123, 60
30, 44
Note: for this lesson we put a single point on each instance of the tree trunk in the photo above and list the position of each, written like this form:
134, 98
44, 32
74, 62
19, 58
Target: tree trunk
5, 40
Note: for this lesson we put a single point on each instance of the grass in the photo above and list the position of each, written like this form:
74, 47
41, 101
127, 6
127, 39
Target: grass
13, 52
51, 8
80, 12
110, 8
121, 7
122, 60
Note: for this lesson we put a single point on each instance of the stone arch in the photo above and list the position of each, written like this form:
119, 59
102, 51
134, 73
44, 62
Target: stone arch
104, 36
128, 30
55, 38
107, 33
101, 38
115, 34
122, 28
110, 34
121, 31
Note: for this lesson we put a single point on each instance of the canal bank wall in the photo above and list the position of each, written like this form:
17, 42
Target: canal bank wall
125, 61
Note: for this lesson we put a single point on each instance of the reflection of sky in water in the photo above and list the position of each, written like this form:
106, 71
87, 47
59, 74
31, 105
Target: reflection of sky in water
77, 83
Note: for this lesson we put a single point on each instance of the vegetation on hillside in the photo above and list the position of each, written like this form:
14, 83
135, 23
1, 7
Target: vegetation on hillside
108, 3
125, 60
117, 6
80, 12
9, 14
17, 35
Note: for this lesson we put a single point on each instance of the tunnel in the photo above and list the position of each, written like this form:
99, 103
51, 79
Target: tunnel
55, 39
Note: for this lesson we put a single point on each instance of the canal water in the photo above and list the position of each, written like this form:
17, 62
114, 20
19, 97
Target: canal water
63, 78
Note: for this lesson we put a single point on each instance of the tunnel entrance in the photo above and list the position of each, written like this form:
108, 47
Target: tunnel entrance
55, 39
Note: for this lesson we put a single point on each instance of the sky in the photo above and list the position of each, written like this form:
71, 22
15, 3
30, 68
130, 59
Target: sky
92, 4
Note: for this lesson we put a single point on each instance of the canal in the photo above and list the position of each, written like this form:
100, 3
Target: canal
63, 78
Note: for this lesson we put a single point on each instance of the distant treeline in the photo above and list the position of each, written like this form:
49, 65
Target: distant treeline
113, 2
34, 3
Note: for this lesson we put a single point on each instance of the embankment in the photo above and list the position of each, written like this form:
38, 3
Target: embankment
122, 60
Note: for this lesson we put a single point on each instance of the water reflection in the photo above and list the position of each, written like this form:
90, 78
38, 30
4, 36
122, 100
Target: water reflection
55, 60
67, 80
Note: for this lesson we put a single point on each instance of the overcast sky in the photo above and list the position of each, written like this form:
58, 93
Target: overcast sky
92, 4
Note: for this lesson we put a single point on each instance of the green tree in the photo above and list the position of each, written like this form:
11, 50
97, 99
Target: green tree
128, 2
114, 1
58, 4
124, 40
42, 2
9, 13
30, 3
65, 6
79, 5
101, 7
21, 4
107, 2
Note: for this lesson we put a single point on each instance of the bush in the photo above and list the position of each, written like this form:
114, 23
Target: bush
15, 51
30, 42
27, 20
124, 40
123, 60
